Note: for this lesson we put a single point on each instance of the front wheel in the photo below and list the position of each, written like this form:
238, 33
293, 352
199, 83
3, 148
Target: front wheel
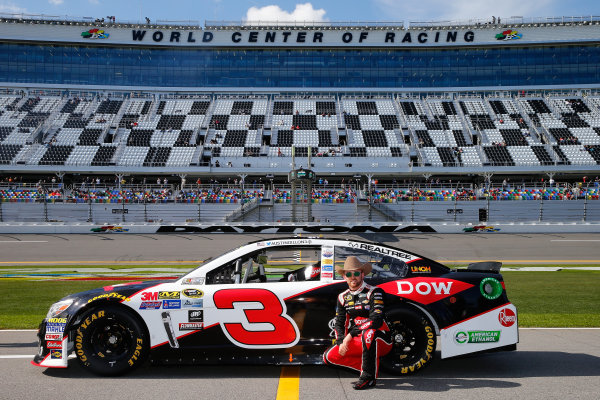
110, 341
414, 341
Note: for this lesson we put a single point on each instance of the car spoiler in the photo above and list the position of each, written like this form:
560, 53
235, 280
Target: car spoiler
485, 266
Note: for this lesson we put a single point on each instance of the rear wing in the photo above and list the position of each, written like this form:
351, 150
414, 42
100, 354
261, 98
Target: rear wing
485, 266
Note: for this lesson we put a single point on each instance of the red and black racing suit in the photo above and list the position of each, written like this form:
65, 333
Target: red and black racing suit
360, 314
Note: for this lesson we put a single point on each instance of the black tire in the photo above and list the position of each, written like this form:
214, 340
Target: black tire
111, 341
414, 341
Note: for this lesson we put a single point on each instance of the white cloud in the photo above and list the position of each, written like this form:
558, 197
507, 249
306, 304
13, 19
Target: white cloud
11, 8
463, 10
56, 2
302, 12
94, 1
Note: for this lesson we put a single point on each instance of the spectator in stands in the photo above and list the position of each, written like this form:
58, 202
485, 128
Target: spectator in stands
165, 181
279, 153
217, 164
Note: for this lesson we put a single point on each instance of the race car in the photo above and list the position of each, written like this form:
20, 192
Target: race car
273, 302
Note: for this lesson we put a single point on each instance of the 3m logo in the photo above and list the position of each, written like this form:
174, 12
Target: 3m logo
149, 296
425, 290
507, 317
255, 318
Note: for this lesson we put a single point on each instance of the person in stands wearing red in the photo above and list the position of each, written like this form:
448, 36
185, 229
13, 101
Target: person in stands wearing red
362, 335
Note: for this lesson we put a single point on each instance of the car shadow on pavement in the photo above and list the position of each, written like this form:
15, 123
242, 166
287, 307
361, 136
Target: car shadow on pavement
442, 384
516, 364
476, 371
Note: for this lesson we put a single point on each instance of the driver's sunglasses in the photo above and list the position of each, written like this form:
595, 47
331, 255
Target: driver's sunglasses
355, 273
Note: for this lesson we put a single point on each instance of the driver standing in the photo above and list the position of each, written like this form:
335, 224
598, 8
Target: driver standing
362, 335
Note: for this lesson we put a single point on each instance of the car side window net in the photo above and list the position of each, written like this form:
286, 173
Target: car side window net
383, 266
276, 264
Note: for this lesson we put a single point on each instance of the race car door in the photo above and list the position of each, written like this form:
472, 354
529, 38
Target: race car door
269, 302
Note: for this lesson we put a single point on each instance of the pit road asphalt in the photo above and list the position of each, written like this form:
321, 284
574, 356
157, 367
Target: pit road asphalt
116, 248
549, 364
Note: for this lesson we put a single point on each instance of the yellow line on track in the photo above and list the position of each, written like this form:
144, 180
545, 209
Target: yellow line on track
289, 384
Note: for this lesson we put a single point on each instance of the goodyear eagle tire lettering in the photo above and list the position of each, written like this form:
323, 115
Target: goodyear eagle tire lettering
414, 342
110, 341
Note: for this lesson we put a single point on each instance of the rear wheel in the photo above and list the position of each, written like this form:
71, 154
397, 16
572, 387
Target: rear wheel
110, 341
414, 341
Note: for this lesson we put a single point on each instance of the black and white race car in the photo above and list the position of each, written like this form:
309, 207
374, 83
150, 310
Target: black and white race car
273, 302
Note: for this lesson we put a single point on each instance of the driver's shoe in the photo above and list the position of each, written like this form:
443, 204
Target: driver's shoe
364, 383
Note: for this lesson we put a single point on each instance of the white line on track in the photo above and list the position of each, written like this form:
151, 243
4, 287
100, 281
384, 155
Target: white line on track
23, 241
556, 329
575, 240
18, 356
15, 356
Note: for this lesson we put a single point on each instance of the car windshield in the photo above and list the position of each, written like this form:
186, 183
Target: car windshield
383, 266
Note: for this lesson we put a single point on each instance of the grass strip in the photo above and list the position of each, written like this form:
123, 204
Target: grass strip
555, 299
543, 299
25, 302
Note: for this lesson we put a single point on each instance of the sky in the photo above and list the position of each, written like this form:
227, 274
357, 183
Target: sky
315, 10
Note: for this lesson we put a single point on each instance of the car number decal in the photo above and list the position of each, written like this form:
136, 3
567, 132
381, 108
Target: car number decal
255, 318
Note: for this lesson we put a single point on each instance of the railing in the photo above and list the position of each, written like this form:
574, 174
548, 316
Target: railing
423, 209
106, 20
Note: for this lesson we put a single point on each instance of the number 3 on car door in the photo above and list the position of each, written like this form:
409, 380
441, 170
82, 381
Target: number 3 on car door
255, 318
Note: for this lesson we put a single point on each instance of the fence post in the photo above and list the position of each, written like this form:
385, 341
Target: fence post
0, 210
199, 201
45, 207
541, 208
412, 208
123, 210
90, 217
585, 197
145, 210
455, 201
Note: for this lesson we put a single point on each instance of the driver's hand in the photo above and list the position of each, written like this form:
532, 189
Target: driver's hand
344, 346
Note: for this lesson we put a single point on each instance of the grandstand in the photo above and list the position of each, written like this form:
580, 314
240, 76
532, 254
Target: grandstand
227, 134
471, 101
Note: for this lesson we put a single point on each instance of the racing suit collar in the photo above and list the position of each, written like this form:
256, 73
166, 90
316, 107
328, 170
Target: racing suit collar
362, 286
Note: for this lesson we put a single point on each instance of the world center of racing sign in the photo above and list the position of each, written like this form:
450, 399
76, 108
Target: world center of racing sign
298, 36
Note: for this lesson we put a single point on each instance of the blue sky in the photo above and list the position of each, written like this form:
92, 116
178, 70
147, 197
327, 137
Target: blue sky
316, 10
